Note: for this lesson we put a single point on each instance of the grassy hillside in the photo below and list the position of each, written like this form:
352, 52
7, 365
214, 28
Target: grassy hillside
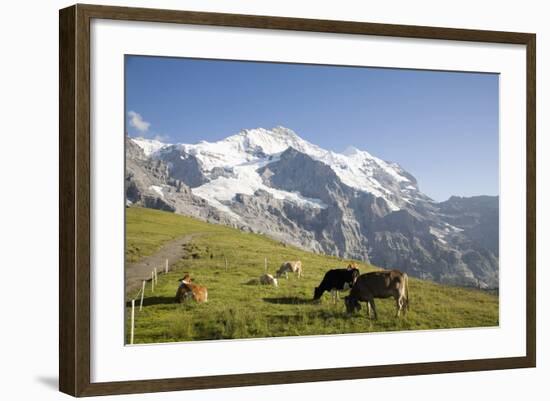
238, 309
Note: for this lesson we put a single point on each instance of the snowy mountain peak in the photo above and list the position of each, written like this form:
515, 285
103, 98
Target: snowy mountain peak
254, 148
351, 151
149, 146
357, 154
269, 141
279, 132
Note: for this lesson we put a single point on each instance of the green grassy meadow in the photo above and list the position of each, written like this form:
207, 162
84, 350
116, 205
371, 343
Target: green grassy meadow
237, 308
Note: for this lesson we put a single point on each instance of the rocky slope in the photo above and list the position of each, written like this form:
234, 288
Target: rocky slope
349, 204
149, 183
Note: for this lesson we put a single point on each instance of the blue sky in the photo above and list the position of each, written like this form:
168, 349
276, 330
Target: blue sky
440, 126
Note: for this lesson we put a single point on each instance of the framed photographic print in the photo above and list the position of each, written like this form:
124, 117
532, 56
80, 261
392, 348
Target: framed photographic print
240, 185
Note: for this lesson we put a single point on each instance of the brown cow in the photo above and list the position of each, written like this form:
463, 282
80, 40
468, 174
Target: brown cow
188, 290
290, 267
381, 284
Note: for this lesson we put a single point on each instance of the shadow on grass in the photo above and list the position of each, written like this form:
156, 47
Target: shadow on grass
153, 301
289, 301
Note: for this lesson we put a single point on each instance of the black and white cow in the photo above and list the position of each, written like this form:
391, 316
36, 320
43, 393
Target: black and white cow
336, 280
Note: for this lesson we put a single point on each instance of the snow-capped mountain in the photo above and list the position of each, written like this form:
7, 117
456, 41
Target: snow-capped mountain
241, 155
350, 204
149, 146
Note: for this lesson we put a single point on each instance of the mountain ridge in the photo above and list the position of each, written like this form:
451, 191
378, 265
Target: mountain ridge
349, 204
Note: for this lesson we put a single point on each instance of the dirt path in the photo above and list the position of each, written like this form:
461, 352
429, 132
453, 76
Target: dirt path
136, 272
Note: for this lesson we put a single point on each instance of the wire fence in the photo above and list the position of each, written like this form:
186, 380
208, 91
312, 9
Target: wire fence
141, 294
153, 280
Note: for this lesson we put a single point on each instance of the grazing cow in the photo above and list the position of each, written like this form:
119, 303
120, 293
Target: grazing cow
336, 280
188, 290
290, 267
268, 279
381, 284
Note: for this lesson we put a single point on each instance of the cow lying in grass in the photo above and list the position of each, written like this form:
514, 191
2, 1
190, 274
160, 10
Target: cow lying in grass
382, 284
188, 290
268, 279
336, 280
290, 267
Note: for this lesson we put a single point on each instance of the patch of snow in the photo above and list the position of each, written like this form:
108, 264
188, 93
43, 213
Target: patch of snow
158, 190
439, 234
247, 181
356, 172
451, 228
214, 202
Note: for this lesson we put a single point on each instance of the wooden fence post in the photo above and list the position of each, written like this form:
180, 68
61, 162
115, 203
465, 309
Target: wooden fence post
132, 321
142, 294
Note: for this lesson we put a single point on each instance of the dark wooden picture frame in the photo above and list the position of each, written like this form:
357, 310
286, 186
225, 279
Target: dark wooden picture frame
74, 199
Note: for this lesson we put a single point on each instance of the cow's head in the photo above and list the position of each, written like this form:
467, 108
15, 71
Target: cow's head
352, 304
352, 265
354, 276
317, 293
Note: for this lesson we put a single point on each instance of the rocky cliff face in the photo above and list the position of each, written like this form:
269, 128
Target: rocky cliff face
149, 183
350, 205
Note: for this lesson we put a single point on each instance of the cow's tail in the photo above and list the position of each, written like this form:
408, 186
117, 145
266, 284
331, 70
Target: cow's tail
406, 284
